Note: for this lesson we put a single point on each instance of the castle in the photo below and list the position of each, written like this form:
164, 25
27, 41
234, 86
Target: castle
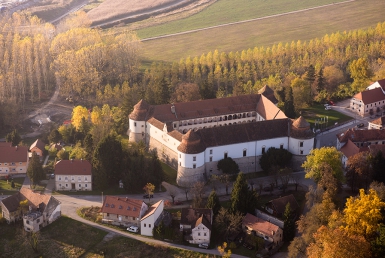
193, 136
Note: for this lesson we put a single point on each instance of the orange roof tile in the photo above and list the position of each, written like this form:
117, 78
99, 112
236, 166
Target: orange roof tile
38, 144
151, 210
259, 225
122, 206
370, 96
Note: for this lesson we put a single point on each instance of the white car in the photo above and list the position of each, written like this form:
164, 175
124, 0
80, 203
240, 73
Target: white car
203, 245
133, 229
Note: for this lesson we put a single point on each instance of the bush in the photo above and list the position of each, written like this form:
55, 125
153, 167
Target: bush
275, 157
228, 166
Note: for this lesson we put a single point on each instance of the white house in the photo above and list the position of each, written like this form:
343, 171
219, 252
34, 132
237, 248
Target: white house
40, 211
13, 159
378, 123
193, 136
196, 225
150, 218
371, 100
73, 175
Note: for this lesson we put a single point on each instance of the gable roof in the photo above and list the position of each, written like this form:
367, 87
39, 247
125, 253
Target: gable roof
268, 93
152, 209
9, 153
350, 149
73, 167
122, 206
279, 204
38, 144
203, 220
361, 135
189, 216
379, 121
260, 225
370, 96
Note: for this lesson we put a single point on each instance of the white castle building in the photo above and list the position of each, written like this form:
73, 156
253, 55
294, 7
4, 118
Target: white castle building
193, 136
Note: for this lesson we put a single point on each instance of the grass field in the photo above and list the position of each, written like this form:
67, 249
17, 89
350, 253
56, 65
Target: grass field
318, 112
170, 174
6, 186
359, 14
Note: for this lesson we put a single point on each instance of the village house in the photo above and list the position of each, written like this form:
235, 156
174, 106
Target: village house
370, 101
378, 123
361, 138
151, 218
277, 206
122, 211
196, 225
272, 234
193, 136
39, 147
13, 159
39, 211
73, 175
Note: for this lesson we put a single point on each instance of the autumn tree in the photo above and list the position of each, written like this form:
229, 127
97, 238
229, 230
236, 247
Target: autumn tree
54, 136
358, 173
198, 191
317, 159
228, 223
185, 92
149, 190
78, 114
361, 73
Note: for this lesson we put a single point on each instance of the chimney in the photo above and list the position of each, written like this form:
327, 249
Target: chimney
72, 160
16, 147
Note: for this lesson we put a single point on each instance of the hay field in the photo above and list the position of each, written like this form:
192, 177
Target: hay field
359, 14
115, 8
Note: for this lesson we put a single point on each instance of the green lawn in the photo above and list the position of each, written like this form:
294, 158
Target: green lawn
170, 174
265, 32
324, 117
5, 185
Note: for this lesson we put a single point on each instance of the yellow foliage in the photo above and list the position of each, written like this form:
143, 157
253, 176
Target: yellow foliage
77, 114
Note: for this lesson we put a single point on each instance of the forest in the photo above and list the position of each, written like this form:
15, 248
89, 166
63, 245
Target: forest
98, 67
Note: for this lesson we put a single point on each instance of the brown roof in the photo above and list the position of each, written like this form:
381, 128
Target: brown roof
379, 121
361, 135
203, 220
382, 83
301, 123
268, 110
350, 149
189, 216
35, 200
376, 148
38, 144
268, 93
73, 167
279, 204
140, 111
9, 153
122, 206
259, 225
155, 122
191, 143
152, 209
176, 135
300, 129
370, 96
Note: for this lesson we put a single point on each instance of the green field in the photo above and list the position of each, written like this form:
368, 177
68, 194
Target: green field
318, 112
229, 11
359, 14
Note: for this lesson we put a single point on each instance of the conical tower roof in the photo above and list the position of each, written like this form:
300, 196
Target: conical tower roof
191, 143
140, 111
301, 123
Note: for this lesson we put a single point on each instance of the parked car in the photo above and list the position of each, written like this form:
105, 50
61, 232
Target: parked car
328, 108
203, 245
331, 103
146, 196
326, 105
178, 203
134, 229
360, 125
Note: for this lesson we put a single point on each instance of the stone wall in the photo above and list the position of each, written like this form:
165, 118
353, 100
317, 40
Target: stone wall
165, 154
296, 162
188, 176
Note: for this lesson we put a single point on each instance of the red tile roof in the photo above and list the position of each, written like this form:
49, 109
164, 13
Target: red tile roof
259, 225
350, 149
361, 135
9, 153
370, 96
379, 121
152, 210
189, 216
122, 206
38, 144
268, 93
73, 167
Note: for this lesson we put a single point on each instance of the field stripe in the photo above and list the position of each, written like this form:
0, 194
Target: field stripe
246, 21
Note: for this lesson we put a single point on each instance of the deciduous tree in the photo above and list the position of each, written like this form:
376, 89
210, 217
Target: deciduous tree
35, 169
149, 190
228, 166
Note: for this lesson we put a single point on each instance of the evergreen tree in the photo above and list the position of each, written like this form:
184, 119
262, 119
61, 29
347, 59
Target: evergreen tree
213, 202
289, 103
54, 136
310, 74
242, 199
13, 137
377, 163
289, 230
320, 80
35, 170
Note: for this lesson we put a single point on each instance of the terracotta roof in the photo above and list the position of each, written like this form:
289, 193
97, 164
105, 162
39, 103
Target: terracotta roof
191, 143
203, 220
268, 93
350, 149
155, 122
370, 96
38, 144
140, 111
301, 123
379, 121
300, 129
259, 225
73, 167
361, 135
35, 200
279, 204
122, 206
10, 153
268, 110
382, 83
151, 210
189, 216
176, 135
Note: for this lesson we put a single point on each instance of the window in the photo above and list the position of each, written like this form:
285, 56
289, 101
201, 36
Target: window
263, 150
211, 159
281, 146
144, 224
66, 178
134, 123
211, 151
301, 152
27, 222
199, 234
66, 185
38, 220
79, 178
108, 214
133, 218
194, 158
225, 155
85, 185
85, 178
180, 155
19, 163
72, 178
194, 165
80, 185
300, 144
149, 225
204, 234
59, 185
244, 153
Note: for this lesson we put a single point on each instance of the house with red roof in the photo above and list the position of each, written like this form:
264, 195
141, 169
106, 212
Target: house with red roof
38, 146
73, 175
378, 123
151, 218
371, 100
13, 159
40, 210
272, 234
277, 206
123, 211
196, 225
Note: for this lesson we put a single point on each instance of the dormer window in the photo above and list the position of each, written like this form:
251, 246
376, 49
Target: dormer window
128, 208
112, 206
107, 205
120, 207
134, 209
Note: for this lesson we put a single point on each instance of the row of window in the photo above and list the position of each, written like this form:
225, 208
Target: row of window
214, 119
73, 178
117, 216
204, 234
12, 164
149, 225
80, 185
12, 170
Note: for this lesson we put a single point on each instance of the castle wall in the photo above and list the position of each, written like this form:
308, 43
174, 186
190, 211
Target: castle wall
186, 177
165, 154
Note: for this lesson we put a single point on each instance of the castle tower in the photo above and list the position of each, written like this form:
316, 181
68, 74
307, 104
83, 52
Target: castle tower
191, 160
137, 122
301, 137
